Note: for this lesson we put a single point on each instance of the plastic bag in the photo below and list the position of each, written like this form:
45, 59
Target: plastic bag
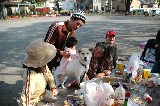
109, 91
133, 64
91, 89
89, 101
97, 93
90, 95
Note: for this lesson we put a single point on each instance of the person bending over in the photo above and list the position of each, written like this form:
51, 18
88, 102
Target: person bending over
59, 32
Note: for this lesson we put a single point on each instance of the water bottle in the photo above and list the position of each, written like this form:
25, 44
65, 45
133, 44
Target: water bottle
120, 94
125, 102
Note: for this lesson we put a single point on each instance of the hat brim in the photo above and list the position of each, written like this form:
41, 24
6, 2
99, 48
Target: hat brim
110, 35
49, 53
31, 63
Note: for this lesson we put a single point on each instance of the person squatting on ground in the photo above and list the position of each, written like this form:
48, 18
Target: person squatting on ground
70, 46
104, 57
148, 53
156, 66
37, 73
154, 81
58, 33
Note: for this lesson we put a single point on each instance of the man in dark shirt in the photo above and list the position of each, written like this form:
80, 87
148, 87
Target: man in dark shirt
58, 33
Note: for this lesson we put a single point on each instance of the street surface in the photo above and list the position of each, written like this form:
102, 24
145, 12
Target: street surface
16, 34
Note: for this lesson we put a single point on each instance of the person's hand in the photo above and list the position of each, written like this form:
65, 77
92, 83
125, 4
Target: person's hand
65, 54
100, 75
87, 78
107, 72
54, 91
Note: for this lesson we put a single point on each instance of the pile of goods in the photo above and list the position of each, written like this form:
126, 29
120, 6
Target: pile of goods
125, 89
96, 92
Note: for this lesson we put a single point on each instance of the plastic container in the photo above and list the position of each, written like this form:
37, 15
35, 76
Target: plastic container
120, 66
120, 94
147, 73
133, 65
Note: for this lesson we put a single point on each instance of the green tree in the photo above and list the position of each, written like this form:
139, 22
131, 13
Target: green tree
35, 1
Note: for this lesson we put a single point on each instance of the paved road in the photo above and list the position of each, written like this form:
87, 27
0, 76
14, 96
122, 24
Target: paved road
16, 34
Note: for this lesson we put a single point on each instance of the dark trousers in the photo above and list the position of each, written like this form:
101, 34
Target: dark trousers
156, 68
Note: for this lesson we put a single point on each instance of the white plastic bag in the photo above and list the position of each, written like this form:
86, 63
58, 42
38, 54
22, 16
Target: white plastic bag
91, 89
133, 64
94, 93
109, 91
89, 101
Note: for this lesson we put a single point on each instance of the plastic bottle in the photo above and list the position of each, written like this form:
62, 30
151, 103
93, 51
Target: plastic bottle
125, 102
120, 94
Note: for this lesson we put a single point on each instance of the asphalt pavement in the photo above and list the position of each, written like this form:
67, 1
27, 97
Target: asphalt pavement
16, 34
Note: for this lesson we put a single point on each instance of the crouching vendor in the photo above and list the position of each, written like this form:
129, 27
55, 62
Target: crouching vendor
104, 57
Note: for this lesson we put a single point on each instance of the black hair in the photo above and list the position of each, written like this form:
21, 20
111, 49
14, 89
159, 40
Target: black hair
76, 18
37, 70
70, 42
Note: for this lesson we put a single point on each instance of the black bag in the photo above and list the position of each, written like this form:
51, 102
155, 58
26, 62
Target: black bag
150, 44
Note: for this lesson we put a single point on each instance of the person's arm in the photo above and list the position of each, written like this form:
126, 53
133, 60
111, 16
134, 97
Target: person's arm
157, 47
106, 68
92, 68
107, 72
50, 79
52, 35
73, 54
157, 52
106, 60
106, 65
65, 54
28, 89
115, 57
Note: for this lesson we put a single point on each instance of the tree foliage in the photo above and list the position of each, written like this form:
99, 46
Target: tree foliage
34, 1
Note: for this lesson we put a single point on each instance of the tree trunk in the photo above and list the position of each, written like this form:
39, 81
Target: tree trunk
57, 4
128, 3
80, 1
